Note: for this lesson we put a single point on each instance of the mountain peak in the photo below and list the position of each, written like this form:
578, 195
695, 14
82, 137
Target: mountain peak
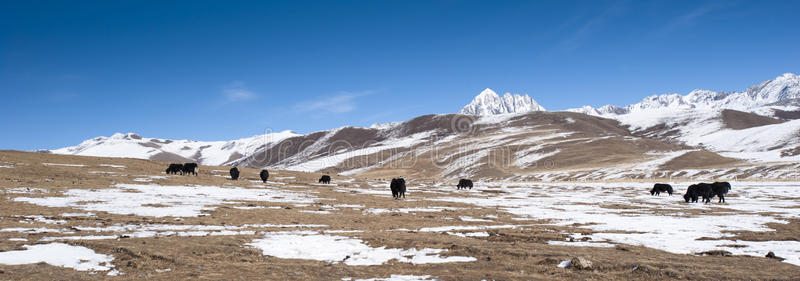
487, 92
490, 103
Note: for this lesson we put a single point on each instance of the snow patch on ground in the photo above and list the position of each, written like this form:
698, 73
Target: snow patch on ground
163, 201
64, 165
59, 254
395, 277
350, 251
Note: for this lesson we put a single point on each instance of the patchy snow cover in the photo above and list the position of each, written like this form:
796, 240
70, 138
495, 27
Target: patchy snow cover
336, 159
64, 165
470, 234
40, 219
58, 254
161, 230
377, 211
164, 201
465, 227
26, 190
89, 214
350, 251
112, 166
471, 219
581, 244
150, 178
396, 277
751, 205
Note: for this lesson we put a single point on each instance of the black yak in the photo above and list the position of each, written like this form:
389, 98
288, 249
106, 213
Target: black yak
234, 173
190, 168
398, 187
326, 179
699, 190
264, 175
175, 169
720, 189
464, 183
661, 187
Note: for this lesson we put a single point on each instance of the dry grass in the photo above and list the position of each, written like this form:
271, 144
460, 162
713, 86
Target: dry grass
507, 254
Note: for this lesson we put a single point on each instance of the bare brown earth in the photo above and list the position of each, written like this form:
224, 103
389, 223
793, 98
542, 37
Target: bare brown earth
738, 120
507, 254
698, 159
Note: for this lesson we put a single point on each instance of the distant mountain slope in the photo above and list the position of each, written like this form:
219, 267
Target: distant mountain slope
204, 152
748, 134
784, 90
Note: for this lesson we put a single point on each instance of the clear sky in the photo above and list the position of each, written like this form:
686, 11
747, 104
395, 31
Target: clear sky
219, 70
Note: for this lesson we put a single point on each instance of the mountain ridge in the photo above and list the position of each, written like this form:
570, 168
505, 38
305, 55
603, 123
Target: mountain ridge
490, 103
584, 146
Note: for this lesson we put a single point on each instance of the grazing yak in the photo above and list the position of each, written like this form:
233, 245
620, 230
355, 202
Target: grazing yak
661, 187
720, 189
190, 168
326, 179
234, 173
264, 175
699, 190
398, 187
175, 169
464, 183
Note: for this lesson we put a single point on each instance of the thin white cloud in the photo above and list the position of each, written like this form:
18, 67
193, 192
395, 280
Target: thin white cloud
238, 91
587, 27
697, 14
340, 103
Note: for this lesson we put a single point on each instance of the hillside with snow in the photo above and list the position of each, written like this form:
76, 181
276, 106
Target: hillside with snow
758, 124
132, 145
746, 134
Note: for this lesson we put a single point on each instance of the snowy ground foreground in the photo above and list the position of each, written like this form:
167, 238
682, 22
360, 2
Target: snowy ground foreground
152, 230
350, 251
657, 222
58, 254
395, 277
162, 201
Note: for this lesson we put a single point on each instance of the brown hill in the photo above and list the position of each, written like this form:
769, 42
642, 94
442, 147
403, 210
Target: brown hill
738, 120
698, 159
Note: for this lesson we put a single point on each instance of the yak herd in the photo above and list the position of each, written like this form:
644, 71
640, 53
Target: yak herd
706, 191
695, 191
183, 169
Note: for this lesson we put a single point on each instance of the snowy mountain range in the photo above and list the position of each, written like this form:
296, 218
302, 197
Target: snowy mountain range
781, 91
745, 134
489, 103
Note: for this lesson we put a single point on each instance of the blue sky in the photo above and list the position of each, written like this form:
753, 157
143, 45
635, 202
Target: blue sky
218, 70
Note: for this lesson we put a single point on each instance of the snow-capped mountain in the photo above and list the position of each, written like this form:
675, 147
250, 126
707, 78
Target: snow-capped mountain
756, 124
489, 103
752, 133
204, 152
781, 91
